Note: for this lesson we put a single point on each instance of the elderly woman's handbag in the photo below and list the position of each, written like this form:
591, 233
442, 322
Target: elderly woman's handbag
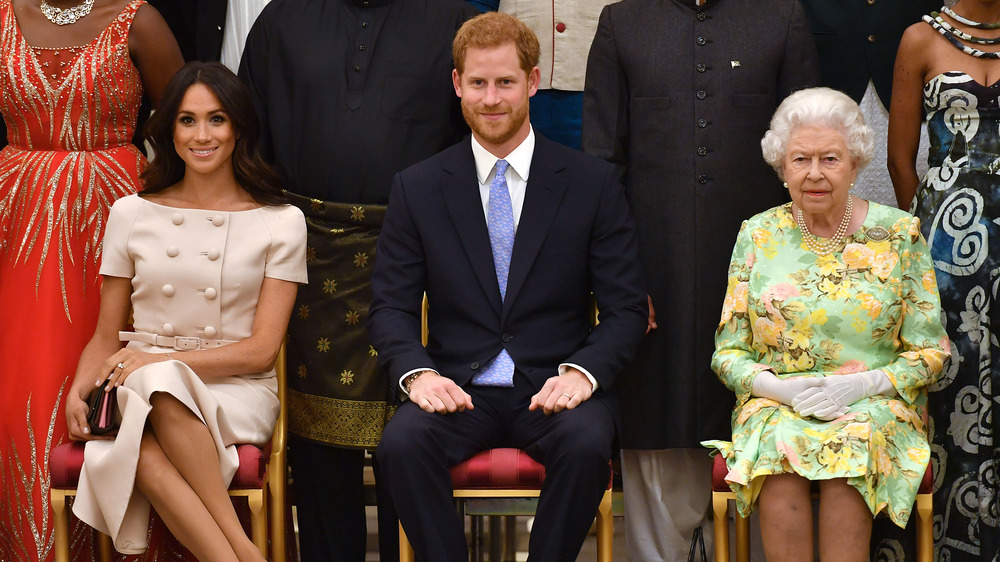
103, 414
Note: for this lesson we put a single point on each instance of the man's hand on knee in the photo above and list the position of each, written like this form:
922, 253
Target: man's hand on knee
434, 393
562, 392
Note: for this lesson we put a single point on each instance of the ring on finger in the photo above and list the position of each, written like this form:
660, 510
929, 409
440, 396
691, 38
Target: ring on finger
121, 366
567, 395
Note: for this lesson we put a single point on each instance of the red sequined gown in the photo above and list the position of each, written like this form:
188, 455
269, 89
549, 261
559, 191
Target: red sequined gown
70, 115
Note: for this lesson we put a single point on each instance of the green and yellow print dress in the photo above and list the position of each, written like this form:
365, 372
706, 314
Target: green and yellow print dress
871, 305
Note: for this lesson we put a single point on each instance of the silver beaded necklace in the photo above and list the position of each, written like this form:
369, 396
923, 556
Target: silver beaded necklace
66, 16
828, 246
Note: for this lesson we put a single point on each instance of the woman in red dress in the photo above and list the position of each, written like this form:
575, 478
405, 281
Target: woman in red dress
71, 80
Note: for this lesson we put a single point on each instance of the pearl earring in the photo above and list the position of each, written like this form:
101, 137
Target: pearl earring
785, 184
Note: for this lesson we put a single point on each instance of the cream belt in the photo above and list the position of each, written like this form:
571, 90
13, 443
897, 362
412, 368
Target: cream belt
180, 343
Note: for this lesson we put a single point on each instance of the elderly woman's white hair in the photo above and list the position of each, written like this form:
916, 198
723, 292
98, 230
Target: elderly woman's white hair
818, 107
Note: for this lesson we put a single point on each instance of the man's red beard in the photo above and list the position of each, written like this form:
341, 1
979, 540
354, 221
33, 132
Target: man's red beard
499, 131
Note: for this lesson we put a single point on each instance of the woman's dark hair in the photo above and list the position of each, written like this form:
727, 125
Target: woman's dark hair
167, 168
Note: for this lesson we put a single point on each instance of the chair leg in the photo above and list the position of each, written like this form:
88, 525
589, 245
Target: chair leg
104, 547
925, 526
742, 537
61, 524
605, 529
258, 521
720, 509
405, 550
277, 531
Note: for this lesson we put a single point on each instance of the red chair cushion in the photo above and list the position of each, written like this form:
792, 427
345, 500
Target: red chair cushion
66, 462
719, 472
499, 469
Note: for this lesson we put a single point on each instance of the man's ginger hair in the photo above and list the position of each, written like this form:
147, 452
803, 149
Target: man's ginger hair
494, 29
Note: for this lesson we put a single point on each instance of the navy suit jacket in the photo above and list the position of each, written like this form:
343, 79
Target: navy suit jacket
575, 236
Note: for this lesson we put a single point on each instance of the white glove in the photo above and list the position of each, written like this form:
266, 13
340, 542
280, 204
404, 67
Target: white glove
834, 396
767, 385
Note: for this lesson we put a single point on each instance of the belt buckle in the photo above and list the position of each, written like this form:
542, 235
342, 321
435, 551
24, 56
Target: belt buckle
186, 343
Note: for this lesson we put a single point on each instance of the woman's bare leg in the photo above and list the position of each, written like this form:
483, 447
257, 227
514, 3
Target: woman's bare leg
180, 508
188, 445
786, 523
845, 522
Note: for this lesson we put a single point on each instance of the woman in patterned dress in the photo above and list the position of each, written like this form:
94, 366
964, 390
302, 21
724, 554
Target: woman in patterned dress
830, 333
70, 84
948, 70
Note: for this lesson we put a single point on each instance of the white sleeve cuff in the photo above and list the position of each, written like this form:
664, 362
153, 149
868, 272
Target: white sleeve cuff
586, 373
402, 388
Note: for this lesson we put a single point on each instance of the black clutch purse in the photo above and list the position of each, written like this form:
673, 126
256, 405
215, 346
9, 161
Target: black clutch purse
103, 414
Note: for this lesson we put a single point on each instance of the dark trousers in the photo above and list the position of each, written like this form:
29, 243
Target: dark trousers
418, 449
329, 495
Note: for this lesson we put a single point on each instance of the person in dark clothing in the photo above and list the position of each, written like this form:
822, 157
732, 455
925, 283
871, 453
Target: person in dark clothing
350, 92
679, 93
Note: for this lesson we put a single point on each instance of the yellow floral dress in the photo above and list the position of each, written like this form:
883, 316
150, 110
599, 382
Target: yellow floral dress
872, 305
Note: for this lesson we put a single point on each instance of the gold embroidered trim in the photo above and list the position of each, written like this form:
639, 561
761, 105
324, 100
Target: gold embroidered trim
345, 423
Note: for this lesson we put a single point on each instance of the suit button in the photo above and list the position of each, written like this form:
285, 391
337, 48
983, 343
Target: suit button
506, 338
211, 293
700, 67
871, 2
702, 40
219, 220
702, 123
560, 27
701, 94
871, 38
703, 179
210, 331
475, 365
701, 16
702, 151
213, 254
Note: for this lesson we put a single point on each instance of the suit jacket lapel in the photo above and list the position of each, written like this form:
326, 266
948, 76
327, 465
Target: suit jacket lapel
465, 205
543, 195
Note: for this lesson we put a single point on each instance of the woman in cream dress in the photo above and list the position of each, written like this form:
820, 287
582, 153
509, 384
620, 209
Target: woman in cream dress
209, 261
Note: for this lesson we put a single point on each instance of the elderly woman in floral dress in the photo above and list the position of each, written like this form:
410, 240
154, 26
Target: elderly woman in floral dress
830, 333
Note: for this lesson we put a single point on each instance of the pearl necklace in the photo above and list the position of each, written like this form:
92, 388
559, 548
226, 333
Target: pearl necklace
824, 248
60, 16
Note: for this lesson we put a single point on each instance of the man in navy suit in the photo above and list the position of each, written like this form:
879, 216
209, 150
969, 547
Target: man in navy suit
508, 234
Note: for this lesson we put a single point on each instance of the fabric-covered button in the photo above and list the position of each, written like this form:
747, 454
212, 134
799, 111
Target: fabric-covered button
177, 218
213, 254
560, 27
168, 290
210, 331
172, 251
168, 329
211, 293
219, 220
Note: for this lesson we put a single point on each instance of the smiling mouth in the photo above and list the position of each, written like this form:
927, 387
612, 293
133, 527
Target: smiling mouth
203, 151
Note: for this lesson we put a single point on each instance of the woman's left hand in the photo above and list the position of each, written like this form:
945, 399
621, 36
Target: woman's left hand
123, 363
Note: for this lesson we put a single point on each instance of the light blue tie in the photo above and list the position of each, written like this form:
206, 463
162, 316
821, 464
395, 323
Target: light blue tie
500, 223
